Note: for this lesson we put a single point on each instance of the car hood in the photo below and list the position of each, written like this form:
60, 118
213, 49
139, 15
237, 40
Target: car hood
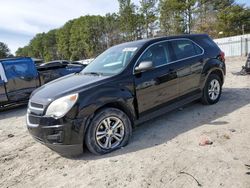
72, 83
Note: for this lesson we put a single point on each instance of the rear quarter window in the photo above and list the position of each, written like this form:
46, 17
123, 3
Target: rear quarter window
184, 49
207, 42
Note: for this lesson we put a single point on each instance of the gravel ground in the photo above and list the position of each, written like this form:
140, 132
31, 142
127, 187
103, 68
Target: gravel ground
163, 152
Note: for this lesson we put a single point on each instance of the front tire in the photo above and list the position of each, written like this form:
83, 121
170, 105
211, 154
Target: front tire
212, 90
109, 130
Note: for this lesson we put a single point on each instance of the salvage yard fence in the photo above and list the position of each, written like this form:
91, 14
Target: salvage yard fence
234, 46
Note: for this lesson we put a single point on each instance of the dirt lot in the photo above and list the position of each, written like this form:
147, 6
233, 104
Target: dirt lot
159, 150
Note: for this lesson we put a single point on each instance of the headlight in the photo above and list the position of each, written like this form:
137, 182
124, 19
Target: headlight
61, 106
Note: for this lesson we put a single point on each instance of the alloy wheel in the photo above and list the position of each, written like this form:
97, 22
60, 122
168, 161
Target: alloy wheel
110, 132
214, 89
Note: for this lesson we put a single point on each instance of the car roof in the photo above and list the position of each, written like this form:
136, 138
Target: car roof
157, 39
14, 58
56, 61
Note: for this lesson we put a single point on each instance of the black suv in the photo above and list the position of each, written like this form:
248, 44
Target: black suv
127, 84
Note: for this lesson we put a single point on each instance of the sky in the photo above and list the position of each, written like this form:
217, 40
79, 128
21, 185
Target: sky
21, 20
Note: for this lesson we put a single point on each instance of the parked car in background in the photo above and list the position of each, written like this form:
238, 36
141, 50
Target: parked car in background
37, 61
86, 61
125, 85
20, 76
59, 63
58, 68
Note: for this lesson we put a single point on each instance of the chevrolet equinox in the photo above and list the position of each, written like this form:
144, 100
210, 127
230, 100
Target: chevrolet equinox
125, 85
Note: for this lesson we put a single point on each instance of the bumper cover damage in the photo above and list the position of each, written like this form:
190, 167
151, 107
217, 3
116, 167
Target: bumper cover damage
61, 135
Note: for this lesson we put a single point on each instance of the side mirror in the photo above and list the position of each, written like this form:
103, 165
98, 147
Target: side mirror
144, 66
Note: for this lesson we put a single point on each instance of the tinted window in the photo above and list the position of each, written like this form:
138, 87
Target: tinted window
207, 42
184, 49
158, 54
19, 69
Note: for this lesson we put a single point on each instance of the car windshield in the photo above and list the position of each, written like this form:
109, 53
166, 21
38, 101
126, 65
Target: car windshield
112, 61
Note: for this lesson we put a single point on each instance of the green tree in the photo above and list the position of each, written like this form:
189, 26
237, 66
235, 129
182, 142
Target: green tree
36, 46
190, 9
63, 40
95, 35
205, 18
79, 49
50, 46
149, 11
128, 23
23, 52
88, 36
177, 16
222, 4
4, 50
111, 30
232, 20
171, 17
140, 26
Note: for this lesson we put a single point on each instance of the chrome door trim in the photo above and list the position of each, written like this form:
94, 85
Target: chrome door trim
172, 61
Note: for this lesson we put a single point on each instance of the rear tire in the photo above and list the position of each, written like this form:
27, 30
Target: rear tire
212, 90
109, 130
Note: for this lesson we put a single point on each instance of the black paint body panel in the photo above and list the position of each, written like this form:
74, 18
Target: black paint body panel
140, 95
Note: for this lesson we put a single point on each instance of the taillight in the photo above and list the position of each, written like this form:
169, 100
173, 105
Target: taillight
222, 56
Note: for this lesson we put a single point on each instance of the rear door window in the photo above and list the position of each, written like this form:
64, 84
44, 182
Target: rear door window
184, 49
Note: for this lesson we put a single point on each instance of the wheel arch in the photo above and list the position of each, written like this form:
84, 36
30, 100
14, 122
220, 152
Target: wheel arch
213, 66
219, 73
107, 110
121, 106
216, 71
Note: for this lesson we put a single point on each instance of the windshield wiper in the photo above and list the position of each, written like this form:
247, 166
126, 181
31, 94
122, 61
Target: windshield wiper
94, 73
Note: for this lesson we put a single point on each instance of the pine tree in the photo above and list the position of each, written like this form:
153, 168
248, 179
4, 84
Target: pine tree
4, 50
149, 11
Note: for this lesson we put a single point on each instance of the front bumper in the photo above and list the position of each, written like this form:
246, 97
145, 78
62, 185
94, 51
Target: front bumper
65, 150
65, 136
